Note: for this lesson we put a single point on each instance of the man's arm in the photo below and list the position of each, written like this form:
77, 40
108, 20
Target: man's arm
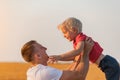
80, 72
85, 55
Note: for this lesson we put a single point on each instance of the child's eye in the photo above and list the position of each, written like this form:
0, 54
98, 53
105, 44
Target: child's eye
64, 31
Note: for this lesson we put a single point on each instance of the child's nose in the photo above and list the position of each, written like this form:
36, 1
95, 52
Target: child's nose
65, 36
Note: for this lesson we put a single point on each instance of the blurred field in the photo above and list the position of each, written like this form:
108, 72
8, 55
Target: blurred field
17, 71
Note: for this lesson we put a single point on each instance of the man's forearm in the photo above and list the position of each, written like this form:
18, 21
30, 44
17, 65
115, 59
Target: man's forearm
83, 66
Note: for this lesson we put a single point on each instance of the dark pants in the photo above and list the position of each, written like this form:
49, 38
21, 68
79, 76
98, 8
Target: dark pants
110, 67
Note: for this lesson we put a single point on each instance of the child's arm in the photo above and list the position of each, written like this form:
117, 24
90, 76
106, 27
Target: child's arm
79, 48
55, 58
68, 56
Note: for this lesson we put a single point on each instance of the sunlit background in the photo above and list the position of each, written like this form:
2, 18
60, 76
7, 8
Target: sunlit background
24, 20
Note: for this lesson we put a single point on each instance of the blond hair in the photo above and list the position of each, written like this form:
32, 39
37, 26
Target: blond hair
71, 23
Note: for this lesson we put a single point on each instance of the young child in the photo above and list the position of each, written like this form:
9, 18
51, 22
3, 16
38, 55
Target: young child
72, 30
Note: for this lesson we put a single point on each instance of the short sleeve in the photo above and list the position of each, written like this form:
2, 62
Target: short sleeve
80, 37
51, 74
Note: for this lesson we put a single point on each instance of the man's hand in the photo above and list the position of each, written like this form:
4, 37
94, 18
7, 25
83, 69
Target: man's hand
88, 45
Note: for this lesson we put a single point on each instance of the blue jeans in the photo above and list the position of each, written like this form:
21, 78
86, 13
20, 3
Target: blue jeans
110, 67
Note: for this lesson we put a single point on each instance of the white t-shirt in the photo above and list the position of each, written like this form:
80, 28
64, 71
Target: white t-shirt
41, 72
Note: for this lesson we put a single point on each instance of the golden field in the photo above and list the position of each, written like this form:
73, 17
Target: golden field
17, 71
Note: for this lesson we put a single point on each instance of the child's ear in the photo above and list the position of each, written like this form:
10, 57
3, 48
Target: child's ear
75, 30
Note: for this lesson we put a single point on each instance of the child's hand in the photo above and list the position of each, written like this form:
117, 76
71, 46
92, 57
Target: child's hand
53, 58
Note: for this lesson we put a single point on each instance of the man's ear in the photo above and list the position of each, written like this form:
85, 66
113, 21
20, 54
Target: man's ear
39, 56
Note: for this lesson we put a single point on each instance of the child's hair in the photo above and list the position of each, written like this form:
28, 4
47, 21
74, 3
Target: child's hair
71, 23
27, 50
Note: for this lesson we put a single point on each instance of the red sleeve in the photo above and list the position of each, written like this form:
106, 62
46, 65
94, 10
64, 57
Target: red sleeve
80, 37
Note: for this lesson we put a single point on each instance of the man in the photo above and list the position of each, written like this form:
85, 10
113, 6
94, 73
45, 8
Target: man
35, 54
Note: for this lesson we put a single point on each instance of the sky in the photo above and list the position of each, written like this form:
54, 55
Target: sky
25, 20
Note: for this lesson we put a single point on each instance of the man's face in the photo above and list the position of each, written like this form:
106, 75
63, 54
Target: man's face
40, 55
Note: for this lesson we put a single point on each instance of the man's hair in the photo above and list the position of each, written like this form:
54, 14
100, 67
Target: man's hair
71, 23
27, 50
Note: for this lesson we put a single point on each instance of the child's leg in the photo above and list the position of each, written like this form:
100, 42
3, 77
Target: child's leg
110, 67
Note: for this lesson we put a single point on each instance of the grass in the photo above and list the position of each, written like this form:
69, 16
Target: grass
17, 71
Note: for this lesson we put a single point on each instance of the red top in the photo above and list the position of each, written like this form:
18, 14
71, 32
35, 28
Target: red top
96, 50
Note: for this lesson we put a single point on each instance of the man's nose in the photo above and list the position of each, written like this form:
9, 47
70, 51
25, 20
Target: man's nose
45, 48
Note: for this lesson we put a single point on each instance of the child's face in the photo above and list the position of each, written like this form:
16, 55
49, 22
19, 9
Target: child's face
68, 34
